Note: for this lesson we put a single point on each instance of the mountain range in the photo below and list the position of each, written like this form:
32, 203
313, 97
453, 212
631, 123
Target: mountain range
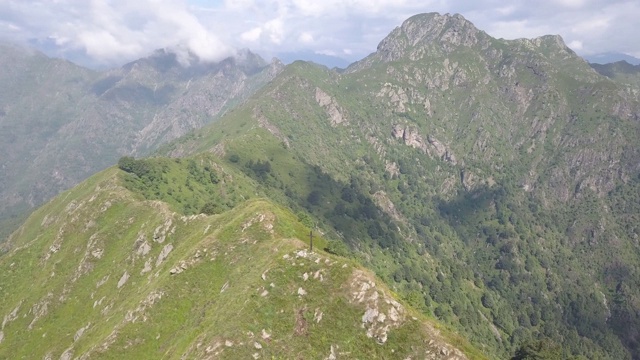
492, 185
621, 72
61, 123
611, 57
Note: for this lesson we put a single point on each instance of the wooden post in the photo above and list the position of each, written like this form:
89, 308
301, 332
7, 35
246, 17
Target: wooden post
311, 239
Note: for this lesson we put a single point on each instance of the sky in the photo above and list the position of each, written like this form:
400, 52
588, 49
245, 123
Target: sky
108, 33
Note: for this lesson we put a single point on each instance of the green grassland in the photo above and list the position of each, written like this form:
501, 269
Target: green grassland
86, 276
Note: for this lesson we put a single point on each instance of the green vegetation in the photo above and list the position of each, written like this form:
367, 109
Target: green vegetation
102, 283
510, 242
11, 219
621, 72
189, 186
60, 123
507, 211
539, 350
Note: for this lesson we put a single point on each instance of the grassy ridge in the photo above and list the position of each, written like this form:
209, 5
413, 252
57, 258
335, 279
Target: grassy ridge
87, 276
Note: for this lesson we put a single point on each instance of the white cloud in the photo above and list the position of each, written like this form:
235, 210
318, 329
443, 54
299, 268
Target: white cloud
327, 52
571, 3
305, 38
9, 26
114, 31
590, 25
317, 8
517, 29
275, 29
239, 4
104, 45
251, 35
575, 45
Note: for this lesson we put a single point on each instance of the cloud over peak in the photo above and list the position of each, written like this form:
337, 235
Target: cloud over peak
110, 32
114, 31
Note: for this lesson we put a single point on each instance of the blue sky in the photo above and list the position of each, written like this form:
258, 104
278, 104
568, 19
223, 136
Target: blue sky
112, 32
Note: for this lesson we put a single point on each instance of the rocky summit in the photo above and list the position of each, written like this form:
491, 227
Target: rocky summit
492, 186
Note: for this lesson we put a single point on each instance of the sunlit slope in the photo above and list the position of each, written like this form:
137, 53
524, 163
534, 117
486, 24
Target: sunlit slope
100, 272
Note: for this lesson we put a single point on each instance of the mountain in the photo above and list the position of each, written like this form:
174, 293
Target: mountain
607, 58
112, 275
329, 61
620, 71
492, 184
61, 123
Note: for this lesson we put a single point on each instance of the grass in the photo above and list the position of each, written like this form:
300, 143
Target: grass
218, 298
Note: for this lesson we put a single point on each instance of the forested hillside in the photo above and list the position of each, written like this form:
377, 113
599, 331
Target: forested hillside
494, 183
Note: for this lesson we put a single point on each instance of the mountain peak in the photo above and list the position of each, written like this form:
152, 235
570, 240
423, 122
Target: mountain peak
547, 41
167, 61
551, 46
445, 32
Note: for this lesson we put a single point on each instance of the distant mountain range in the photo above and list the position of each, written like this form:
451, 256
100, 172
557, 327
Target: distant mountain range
326, 60
612, 57
61, 123
621, 72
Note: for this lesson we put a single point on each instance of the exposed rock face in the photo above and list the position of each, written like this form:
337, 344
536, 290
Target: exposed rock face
80, 332
187, 263
409, 136
123, 280
392, 169
432, 146
397, 97
264, 219
382, 314
504, 110
524, 76
440, 33
441, 151
11, 316
332, 353
266, 124
164, 254
40, 309
144, 249
67, 354
384, 203
331, 107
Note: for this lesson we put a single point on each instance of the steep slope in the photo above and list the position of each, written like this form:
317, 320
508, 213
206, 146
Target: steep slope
61, 123
100, 272
493, 182
32, 109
